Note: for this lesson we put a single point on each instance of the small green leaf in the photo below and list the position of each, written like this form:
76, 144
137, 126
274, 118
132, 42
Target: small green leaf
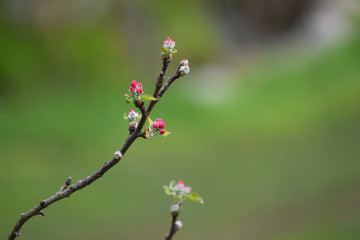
125, 116
168, 190
148, 97
172, 183
166, 133
149, 121
194, 197
174, 51
128, 99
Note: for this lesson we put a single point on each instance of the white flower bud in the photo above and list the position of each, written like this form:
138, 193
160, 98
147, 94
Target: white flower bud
178, 225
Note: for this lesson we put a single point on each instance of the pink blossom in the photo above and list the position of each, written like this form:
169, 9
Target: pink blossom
161, 125
162, 131
139, 85
133, 83
155, 125
132, 89
168, 39
159, 120
131, 111
139, 90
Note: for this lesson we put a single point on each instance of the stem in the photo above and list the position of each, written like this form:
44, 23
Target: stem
173, 229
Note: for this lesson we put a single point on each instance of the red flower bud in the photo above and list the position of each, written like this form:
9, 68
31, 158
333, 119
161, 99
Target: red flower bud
133, 83
158, 120
161, 125
163, 42
155, 125
132, 89
139, 91
180, 182
162, 131
168, 39
139, 85
131, 111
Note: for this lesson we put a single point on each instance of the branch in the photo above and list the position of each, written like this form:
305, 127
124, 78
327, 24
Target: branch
173, 228
65, 191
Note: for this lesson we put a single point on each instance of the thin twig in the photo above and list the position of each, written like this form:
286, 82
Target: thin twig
65, 192
173, 228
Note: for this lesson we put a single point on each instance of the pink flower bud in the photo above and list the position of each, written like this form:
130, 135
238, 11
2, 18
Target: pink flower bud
139, 85
168, 39
131, 111
180, 182
188, 188
139, 91
158, 120
133, 83
155, 125
132, 89
162, 131
163, 42
161, 125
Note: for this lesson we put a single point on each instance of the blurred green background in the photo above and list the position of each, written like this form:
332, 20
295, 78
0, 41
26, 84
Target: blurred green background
265, 128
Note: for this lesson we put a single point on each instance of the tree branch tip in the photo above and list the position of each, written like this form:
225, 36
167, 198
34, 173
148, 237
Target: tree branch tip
118, 155
42, 213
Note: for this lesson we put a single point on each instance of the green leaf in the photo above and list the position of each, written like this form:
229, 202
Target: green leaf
174, 51
128, 99
149, 121
168, 190
172, 183
148, 97
125, 116
194, 197
166, 133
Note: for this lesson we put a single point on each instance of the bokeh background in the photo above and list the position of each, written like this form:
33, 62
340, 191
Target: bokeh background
265, 128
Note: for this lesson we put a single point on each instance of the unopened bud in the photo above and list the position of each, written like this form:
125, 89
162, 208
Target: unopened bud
133, 83
162, 132
161, 125
174, 208
139, 90
117, 155
178, 225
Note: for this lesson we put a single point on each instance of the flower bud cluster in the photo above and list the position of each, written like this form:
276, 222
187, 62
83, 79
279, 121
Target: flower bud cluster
168, 43
181, 189
168, 47
184, 67
158, 127
133, 116
136, 90
180, 192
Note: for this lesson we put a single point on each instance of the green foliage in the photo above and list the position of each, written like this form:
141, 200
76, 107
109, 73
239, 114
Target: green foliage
148, 97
